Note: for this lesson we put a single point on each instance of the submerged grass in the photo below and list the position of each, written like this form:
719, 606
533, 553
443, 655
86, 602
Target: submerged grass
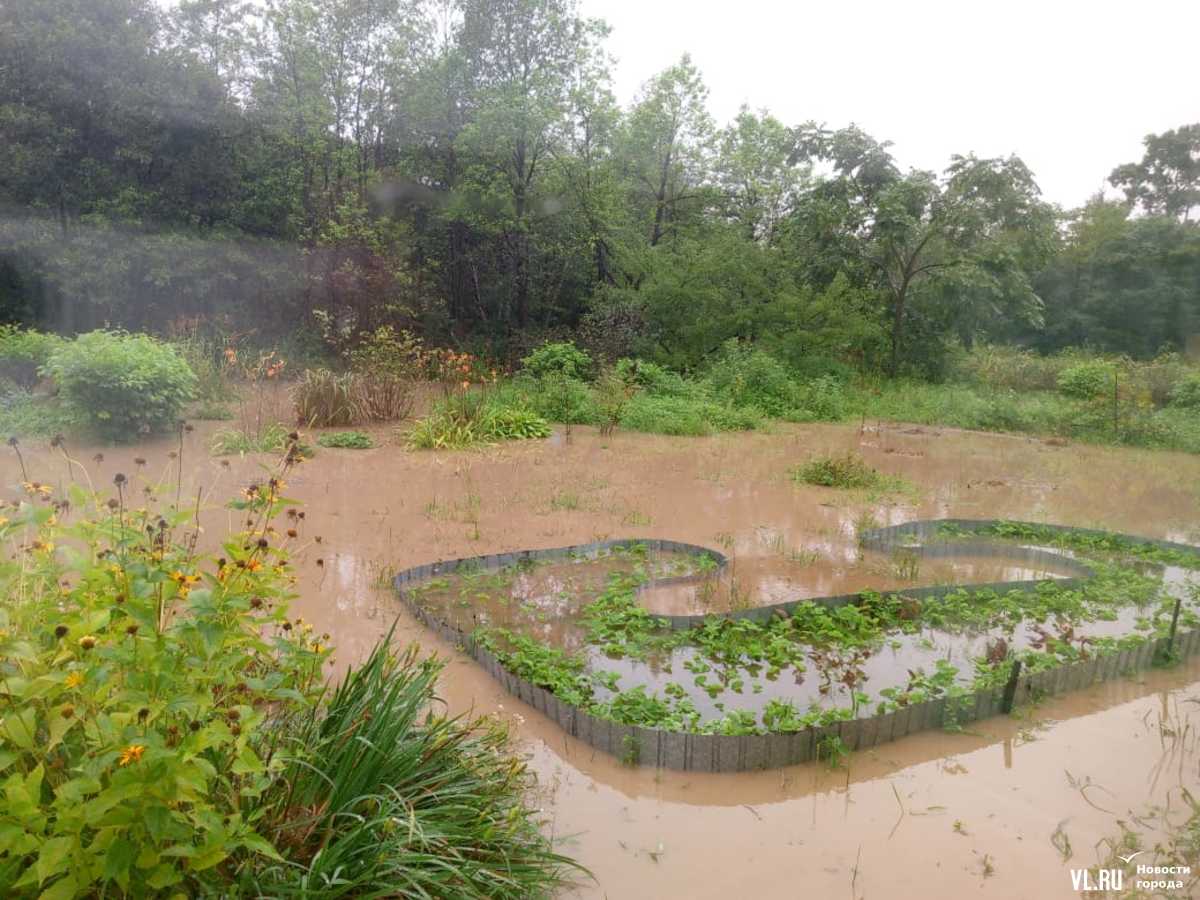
383, 795
847, 471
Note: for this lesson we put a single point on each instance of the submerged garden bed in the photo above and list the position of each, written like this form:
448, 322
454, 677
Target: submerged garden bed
566, 630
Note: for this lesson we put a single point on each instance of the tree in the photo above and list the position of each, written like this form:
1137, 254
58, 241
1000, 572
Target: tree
1167, 180
665, 147
757, 173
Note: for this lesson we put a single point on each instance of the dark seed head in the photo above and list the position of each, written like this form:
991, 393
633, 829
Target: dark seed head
60, 631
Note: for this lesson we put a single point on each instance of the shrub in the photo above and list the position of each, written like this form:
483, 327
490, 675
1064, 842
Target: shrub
1087, 380
658, 381
561, 358
613, 393
23, 352
665, 415
747, 377
820, 400
346, 440
327, 399
122, 385
1011, 367
1186, 392
27, 415
561, 398
141, 685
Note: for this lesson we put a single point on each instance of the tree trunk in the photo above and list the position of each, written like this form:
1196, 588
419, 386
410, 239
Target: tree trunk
897, 328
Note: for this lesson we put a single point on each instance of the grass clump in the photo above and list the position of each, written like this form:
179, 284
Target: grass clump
386, 796
27, 415
269, 439
346, 440
847, 471
466, 419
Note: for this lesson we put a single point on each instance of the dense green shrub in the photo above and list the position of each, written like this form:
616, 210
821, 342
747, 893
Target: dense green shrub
23, 352
561, 398
821, 400
558, 358
1087, 380
745, 377
27, 415
665, 415
1186, 392
1010, 367
122, 385
680, 416
141, 681
658, 381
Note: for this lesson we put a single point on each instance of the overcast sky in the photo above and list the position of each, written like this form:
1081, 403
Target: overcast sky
1070, 87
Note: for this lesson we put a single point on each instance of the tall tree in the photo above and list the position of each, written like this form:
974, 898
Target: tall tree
1167, 180
666, 147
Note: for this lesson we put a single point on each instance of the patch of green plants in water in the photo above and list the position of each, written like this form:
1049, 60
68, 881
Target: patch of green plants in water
270, 439
847, 471
721, 653
469, 419
346, 440
1108, 544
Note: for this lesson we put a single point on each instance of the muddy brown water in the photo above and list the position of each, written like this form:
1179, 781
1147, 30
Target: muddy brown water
934, 815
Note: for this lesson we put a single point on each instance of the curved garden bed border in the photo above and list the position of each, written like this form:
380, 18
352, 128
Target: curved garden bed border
687, 751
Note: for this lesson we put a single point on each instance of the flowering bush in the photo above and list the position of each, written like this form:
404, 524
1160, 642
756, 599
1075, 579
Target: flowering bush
139, 681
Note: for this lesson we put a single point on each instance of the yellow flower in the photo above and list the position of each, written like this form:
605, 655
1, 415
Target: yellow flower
253, 565
74, 680
3, 521
132, 753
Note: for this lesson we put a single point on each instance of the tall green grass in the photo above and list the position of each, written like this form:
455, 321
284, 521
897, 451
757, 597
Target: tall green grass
385, 796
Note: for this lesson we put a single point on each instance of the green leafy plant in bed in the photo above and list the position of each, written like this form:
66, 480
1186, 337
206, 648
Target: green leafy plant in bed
346, 440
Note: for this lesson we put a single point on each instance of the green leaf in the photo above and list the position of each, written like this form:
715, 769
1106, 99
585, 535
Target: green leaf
54, 857
164, 876
117, 861
247, 762
21, 728
207, 858
63, 889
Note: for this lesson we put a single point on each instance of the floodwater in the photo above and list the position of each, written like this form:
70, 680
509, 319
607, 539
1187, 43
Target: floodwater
931, 816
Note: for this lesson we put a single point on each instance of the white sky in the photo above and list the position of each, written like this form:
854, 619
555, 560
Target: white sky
1071, 87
